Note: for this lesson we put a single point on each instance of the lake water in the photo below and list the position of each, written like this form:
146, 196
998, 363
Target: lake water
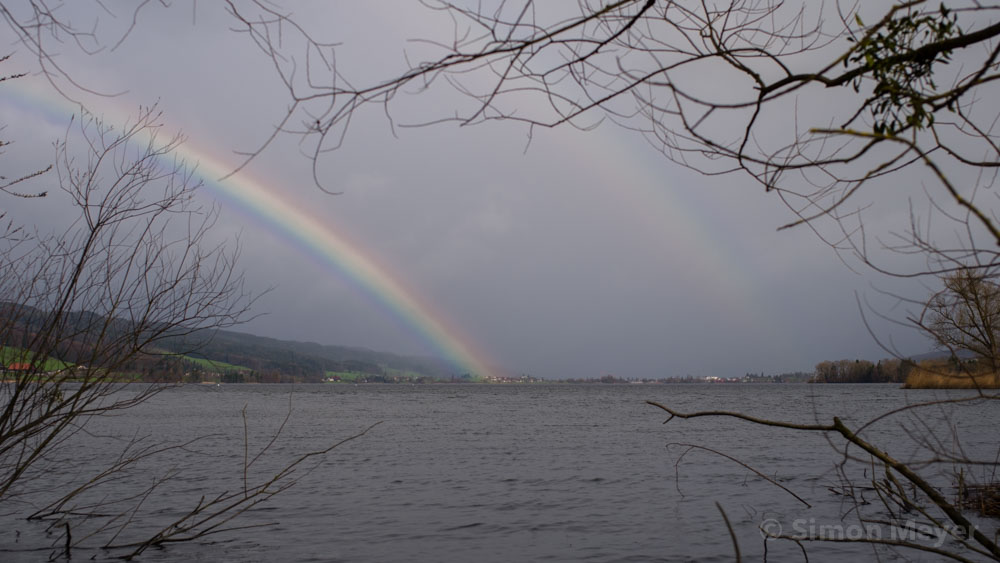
482, 473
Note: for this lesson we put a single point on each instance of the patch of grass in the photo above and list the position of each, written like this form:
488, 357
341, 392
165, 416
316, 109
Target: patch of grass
921, 378
984, 499
214, 365
346, 376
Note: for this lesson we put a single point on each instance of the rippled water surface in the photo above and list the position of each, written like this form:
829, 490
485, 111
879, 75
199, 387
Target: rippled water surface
491, 473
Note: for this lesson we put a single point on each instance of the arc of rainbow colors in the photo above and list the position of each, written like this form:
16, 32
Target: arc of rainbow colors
334, 249
300, 229
652, 196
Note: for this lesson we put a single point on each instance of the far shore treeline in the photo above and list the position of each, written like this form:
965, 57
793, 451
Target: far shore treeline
934, 372
891, 370
232, 357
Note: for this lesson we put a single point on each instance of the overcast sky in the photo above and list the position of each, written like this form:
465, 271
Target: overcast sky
585, 255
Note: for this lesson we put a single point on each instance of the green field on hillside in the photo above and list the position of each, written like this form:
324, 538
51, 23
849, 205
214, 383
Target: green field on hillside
10, 355
214, 365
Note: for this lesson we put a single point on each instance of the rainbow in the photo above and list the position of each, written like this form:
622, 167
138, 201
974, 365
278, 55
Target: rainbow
319, 241
691, 237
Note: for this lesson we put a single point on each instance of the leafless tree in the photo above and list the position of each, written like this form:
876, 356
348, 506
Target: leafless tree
964, 318
83, 304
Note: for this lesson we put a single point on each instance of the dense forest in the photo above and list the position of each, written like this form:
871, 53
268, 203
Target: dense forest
890, 370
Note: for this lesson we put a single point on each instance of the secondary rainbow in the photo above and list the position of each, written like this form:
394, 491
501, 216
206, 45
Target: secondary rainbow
308, 235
